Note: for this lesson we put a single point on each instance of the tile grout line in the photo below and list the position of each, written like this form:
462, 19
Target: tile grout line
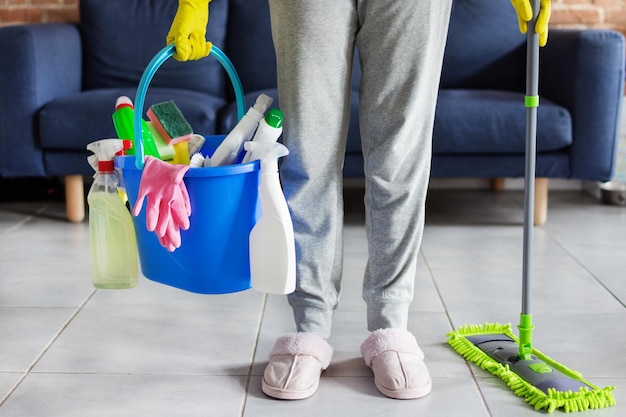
584, 267
17, 226
25, 220
46, 348
467, 364
252, 361
24, 374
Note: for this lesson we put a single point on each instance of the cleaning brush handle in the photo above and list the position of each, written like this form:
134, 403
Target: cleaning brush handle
147, 76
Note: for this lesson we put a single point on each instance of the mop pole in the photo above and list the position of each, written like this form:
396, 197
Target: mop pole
531, 102
545, 384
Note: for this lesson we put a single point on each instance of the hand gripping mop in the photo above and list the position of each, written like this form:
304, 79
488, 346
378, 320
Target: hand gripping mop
544, 383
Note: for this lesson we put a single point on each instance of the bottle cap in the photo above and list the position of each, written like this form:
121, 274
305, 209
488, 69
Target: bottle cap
274, 118
106, 166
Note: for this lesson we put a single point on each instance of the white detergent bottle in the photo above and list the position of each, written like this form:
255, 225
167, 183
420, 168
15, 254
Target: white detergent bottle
272, 245
228, 151
111, 229
269, 130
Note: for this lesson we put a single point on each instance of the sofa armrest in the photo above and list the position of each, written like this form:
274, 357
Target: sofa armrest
583, 70
40, 62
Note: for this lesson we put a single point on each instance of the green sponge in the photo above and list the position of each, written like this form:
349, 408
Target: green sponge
169, 121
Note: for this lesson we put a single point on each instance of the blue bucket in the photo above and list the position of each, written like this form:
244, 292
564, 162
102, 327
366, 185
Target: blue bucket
214, 254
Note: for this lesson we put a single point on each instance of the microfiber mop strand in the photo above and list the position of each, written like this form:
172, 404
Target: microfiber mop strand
586, 398
169, 120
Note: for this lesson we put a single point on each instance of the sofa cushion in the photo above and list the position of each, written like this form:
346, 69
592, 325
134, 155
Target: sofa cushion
250, 45
92, 115
494, 122
485, 48
549, 165
120, 37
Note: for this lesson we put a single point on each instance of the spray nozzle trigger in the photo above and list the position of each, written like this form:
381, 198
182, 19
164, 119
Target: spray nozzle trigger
267, 153
104, 150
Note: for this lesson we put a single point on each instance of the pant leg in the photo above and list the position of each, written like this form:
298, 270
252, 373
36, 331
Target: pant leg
401, 46
314, 42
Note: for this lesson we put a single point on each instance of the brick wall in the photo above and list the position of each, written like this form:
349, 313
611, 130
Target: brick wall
566, 13
34, 11
609, 14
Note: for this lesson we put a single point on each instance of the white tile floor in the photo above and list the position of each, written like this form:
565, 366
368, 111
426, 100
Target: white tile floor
68, 350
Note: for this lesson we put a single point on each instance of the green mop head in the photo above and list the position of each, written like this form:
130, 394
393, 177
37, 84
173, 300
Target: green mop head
544, 383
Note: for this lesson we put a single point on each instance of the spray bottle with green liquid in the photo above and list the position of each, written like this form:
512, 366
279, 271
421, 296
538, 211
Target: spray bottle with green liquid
111, 229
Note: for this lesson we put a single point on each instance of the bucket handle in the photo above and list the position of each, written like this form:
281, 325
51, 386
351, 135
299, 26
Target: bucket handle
149, 72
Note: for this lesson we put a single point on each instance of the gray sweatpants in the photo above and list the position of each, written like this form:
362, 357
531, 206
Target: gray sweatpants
401, 45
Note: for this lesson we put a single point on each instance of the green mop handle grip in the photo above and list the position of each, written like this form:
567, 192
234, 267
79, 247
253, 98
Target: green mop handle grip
525, 337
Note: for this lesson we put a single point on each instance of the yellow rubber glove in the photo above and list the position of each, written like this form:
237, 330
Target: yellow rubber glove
525, 14
188, 30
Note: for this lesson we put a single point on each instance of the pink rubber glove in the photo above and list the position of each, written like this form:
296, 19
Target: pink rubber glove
171, 239
168, 208
169, 234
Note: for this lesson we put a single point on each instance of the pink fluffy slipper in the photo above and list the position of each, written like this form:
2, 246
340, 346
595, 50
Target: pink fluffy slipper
296, 363
397, 362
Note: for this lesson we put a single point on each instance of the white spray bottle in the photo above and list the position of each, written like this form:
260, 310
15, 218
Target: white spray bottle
272, 245
269, 130
228, 151
111, 229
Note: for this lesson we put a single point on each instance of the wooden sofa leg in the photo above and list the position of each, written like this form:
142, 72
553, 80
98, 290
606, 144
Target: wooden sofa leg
498, 184
74, 198
541, 201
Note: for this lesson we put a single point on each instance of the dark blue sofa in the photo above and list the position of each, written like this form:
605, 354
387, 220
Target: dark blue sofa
60, 83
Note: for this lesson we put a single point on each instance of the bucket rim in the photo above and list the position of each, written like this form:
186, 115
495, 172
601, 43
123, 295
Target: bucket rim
127, 163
